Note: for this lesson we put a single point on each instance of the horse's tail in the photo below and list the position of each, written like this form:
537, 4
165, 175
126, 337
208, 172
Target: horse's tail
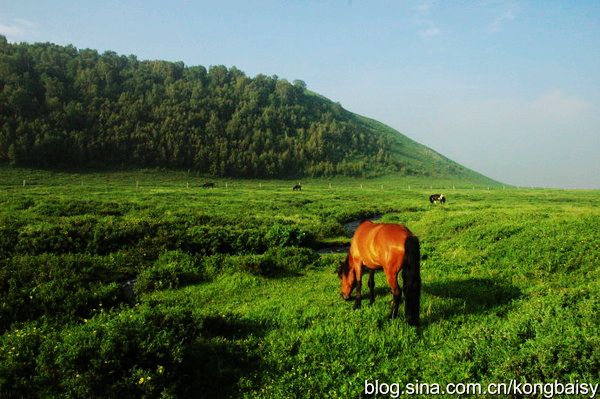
411, 278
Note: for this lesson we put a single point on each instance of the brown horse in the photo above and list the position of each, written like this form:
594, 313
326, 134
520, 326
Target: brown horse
387, 246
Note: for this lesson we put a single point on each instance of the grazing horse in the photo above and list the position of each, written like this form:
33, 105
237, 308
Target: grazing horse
208, 185
387, 246
297, 187
437, 198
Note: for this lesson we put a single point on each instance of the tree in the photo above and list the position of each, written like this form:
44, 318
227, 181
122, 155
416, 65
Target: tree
60, 106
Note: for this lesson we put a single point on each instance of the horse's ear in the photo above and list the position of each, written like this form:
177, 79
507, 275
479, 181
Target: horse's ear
343, 267
340, 268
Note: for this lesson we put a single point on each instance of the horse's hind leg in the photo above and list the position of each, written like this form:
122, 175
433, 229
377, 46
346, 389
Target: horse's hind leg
372, 285
392, 280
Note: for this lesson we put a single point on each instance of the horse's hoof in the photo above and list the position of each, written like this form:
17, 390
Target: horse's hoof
413, 323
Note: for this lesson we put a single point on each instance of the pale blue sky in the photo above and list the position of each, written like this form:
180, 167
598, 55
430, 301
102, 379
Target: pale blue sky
508, 88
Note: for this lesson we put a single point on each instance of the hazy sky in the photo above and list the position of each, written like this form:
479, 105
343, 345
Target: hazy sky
508, 88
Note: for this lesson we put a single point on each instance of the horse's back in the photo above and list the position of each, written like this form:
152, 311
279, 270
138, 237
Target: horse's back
379, 244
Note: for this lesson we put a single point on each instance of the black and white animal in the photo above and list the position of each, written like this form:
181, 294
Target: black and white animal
208, 185
297, 187
437, 198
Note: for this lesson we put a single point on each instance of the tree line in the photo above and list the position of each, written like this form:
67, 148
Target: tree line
63, 107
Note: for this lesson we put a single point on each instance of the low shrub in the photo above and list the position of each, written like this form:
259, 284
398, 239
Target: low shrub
9, 237
283, 235
60, 286
18, 351
56, 238
330, 228
113, 234
210, 240
136, 352
276, 261
292, 259
81, 207
173, 269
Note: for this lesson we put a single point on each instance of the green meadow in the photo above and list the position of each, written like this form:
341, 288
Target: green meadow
143, 284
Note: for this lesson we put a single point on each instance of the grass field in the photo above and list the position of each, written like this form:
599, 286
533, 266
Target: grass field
142, 284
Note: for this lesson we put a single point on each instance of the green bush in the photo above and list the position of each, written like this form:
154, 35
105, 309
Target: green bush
330, 228
20, 204
113, 234
8, 238
18, 351
210, 240
62, 286
152, 350
136, 352
213, 265
81, 207
282, 235
172, 269
276, 261
292, 259
57, 238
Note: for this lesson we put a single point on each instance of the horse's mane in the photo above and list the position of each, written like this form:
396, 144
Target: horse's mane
343, 267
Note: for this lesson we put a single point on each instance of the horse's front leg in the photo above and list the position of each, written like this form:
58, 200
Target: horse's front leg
372, 285
358, 298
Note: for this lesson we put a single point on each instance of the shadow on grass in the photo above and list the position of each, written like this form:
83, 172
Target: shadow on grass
225, 353
469, 296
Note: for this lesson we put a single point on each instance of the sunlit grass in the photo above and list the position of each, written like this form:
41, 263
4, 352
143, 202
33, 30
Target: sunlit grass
511, 284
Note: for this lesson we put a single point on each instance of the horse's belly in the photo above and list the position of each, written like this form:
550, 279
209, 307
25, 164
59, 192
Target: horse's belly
373, 265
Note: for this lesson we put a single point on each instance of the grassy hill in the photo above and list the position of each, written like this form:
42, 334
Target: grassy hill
62, 107
421, 160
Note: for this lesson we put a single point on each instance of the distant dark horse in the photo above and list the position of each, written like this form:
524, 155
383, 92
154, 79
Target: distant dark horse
297, 187
208, 185
437, 198
387, 246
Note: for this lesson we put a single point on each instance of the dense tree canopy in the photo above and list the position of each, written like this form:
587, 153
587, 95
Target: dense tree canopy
64, 107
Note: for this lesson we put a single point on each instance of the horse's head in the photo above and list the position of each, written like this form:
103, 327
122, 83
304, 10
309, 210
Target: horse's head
348, 279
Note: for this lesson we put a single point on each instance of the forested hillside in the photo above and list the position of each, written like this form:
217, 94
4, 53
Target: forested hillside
61, 107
